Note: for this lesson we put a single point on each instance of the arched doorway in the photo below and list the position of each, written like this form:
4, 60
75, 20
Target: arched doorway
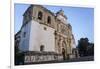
64, 50
42, 48
63, 53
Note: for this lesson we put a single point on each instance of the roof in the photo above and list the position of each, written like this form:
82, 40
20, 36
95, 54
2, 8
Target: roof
60, 11
31, 6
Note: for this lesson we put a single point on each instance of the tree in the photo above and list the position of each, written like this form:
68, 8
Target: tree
85, 47
91, 49
19, 56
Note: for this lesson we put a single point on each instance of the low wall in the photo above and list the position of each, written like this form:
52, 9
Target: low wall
31, 57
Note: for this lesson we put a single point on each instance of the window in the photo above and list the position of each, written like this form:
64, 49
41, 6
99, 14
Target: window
24, 34
42, 48
69, 26
45, 28
49, 19
40, 15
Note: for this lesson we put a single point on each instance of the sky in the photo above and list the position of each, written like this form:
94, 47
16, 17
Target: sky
80, 18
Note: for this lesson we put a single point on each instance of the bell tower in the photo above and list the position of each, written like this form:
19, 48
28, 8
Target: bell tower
60, 16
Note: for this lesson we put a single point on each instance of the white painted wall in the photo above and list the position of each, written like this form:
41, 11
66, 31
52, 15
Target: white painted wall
48, 38
39, 36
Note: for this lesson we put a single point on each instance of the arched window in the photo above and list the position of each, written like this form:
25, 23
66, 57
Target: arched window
49, 19
40, 15
69, 26
42, 48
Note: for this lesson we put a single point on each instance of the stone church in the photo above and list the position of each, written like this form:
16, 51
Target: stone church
45, 36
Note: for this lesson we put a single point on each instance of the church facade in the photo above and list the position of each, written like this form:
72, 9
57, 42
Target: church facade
44, 35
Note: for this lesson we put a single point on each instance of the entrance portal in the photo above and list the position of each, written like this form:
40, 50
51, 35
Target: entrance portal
63, 53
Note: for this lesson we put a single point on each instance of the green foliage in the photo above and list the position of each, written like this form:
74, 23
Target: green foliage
85, 47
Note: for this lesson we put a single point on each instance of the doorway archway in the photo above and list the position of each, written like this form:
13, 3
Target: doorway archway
63, 53
64, 46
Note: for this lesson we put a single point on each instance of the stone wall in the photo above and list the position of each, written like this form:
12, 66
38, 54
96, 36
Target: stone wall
31, 57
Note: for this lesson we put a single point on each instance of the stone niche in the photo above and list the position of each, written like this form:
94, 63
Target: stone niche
36, 56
